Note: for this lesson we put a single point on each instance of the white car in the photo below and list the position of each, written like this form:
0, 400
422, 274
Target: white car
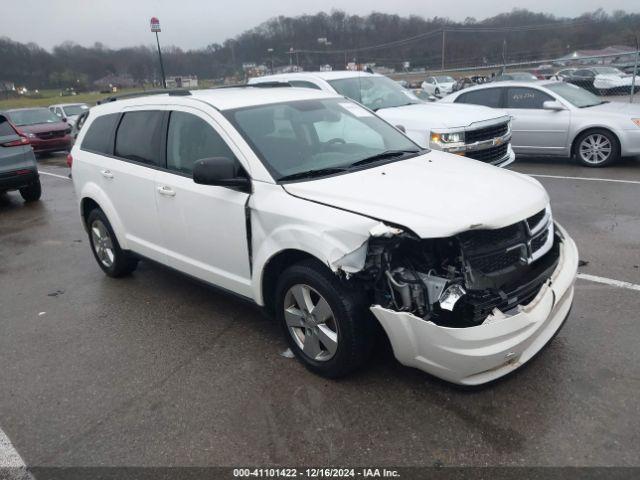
309, 205
560, 119
69, 112
476, 132
439, 85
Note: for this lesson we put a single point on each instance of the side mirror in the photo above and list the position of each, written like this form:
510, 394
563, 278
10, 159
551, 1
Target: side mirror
553, 105
64, 119
221, 172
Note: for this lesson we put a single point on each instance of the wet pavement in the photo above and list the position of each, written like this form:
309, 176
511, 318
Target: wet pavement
156, 369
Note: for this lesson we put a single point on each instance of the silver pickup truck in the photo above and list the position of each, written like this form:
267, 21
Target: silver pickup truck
476, 132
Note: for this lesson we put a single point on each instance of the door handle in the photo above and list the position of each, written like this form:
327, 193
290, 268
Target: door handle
166, 191
106, 173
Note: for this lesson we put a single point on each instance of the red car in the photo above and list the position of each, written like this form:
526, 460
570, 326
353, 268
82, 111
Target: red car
45, 130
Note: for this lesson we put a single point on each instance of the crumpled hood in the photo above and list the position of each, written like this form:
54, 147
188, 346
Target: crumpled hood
434, 195
438, 115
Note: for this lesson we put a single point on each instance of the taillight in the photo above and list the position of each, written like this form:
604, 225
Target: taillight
17, 143
69, 160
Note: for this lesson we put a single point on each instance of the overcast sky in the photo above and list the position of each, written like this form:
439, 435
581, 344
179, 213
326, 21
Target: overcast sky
197, 23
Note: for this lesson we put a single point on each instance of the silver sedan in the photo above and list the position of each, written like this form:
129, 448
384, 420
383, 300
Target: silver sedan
560, 119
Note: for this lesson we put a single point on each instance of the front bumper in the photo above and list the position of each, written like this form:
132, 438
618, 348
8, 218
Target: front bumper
51, 145
630, 142
504, 342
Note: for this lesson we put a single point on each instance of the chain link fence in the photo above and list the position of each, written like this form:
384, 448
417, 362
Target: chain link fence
614, 76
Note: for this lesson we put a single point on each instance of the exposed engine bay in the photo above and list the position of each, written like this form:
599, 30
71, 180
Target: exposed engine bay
459, 281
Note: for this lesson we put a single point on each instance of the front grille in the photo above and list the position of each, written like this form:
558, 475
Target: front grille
497, 261
481, 240
489, 155
487, 133
51, 134
534, 220
539, 241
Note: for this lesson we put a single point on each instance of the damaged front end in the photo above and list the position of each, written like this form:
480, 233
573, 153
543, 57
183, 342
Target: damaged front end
459, 281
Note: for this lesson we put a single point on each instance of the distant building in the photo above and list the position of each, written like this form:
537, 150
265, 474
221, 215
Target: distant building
7, 86
326, 68
182, 81
611, 54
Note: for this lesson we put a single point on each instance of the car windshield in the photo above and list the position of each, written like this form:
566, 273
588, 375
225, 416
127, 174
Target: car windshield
444, 79
374, 92
575, 95
313, 138
607, 71
32, 116
73, 110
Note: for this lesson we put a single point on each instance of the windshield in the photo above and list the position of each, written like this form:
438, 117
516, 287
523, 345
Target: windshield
32, 116
575, 95
315, 137
444, 79
607, 71
374, 92
73, 110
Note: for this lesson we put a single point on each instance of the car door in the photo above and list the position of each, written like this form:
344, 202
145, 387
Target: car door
129, 178
534, 129
204, 227
583, 78
429, 85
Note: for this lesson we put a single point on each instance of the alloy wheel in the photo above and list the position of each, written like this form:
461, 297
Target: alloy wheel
102, 243
311, 322
595, 149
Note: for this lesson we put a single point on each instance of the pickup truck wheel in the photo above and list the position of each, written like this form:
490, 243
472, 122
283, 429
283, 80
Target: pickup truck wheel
326, 323
597, 148
32, 193
114, 261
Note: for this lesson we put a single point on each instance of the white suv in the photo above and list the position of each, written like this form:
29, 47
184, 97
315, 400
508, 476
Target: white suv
311, 206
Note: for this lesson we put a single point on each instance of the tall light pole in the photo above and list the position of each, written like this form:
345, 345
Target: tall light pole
270, 50
155, 28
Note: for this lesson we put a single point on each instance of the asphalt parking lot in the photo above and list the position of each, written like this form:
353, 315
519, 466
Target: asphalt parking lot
157, 370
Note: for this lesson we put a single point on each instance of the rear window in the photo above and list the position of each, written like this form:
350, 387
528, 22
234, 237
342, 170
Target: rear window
6, 129
99, 137
139, 137
489, 97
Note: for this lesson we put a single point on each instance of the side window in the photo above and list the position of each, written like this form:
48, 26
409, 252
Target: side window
190, 139
99, 137
583, 73
526, 98
489, 97
139, 137
304, 84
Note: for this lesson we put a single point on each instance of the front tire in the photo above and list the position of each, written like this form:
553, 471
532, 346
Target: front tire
597, 148
32, 193
325, 321
113, 261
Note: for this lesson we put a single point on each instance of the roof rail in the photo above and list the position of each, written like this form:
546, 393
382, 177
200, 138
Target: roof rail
274, 84
176, 92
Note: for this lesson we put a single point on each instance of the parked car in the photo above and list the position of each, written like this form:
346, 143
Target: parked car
516, 76
45, 131
309, 205
462, 83
18, 167
422, 95
561, 75
479, 133
439, 85
69, 112
557, 118
601, 80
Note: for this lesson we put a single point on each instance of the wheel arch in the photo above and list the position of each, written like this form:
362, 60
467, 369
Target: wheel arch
93, 197
593, 128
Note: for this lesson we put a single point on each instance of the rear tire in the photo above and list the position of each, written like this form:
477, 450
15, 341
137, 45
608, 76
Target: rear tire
332, 334
113, 261
32, 193
597, 148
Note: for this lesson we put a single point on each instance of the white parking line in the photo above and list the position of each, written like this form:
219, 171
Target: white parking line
635, 182
53, 175
12, 467
609, 281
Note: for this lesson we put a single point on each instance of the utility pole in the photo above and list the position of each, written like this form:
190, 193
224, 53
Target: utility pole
155, 28
504, 55
270, 50
635, 71
444, 34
